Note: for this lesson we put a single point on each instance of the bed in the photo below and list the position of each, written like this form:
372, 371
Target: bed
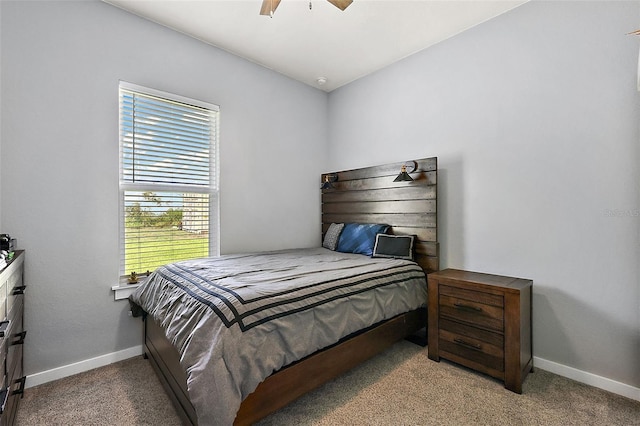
347, 306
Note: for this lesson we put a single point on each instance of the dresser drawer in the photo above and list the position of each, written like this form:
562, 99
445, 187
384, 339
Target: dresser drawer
15, 344
15, 281
472, 307
14, 393
15, 293
14, 363
6, 380
15, 313
3, 300
3, 374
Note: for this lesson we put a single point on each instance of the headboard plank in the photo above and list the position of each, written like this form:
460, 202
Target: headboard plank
407, 206
419, 220
396, 193
424, 234
370, 195
392, 169
421, 178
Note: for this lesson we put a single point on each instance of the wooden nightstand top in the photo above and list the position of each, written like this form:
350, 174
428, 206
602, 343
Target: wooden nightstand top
482, 279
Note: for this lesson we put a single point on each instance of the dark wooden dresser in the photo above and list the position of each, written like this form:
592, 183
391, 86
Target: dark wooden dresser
483, 322
12, 337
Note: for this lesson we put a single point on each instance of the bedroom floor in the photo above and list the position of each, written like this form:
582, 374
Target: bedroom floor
124, 393
401, 386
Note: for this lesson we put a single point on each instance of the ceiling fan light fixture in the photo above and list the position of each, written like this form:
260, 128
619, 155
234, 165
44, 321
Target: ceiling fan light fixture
270, 6
341, 4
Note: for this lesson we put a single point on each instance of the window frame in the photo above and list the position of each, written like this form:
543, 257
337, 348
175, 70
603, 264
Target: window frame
213, 189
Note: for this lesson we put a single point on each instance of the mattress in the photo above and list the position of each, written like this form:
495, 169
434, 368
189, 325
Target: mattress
236, 319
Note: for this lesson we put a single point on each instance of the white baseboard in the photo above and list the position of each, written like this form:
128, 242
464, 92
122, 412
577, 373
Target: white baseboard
588, 378
82, 366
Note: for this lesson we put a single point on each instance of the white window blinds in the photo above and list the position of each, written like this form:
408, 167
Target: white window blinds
168, 178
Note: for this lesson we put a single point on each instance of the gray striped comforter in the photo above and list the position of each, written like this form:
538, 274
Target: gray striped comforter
236, 319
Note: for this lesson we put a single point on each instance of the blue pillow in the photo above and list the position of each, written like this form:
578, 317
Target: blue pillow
360, 237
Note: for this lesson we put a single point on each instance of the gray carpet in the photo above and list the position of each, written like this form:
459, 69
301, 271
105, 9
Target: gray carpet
399, 387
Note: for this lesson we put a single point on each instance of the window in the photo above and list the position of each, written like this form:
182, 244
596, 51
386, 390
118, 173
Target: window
168, 179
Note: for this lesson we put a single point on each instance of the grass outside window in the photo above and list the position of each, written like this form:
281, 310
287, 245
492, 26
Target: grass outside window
148, 248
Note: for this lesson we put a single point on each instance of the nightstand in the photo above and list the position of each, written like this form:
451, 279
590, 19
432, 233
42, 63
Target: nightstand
483, 322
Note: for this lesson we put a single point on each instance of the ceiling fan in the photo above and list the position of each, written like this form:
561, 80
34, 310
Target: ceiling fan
270, 6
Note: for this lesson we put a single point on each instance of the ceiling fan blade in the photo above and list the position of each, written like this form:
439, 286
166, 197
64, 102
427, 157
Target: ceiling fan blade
269, 6
341, 4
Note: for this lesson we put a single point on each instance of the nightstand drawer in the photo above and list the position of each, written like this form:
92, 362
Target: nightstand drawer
472, 349
472, 295
471, 312
462, 330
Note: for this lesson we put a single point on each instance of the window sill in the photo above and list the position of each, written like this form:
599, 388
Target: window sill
124, 289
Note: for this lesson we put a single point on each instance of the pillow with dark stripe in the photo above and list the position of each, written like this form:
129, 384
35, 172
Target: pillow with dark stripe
331, 236
360, 237
394, 246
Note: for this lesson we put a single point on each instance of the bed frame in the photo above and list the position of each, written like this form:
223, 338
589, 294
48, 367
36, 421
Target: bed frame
366, 195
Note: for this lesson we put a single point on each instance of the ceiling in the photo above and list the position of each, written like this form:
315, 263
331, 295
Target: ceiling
304, 44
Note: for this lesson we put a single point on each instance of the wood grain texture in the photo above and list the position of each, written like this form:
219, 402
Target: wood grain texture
482, 321
165, 360
286, 385
292, 381
370, 195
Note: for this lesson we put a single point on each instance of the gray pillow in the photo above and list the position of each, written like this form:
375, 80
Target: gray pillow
394, 246
332, 235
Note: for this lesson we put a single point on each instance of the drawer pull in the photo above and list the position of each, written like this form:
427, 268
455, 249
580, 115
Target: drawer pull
20, 391
18, 290
4, 325
464, 307
20, 337
468, 345
4, 397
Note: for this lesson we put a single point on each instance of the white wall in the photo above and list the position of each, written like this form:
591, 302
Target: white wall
1, 126
534, 118
61, 64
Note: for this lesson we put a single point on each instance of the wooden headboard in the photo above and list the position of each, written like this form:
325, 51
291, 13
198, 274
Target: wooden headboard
370, 195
